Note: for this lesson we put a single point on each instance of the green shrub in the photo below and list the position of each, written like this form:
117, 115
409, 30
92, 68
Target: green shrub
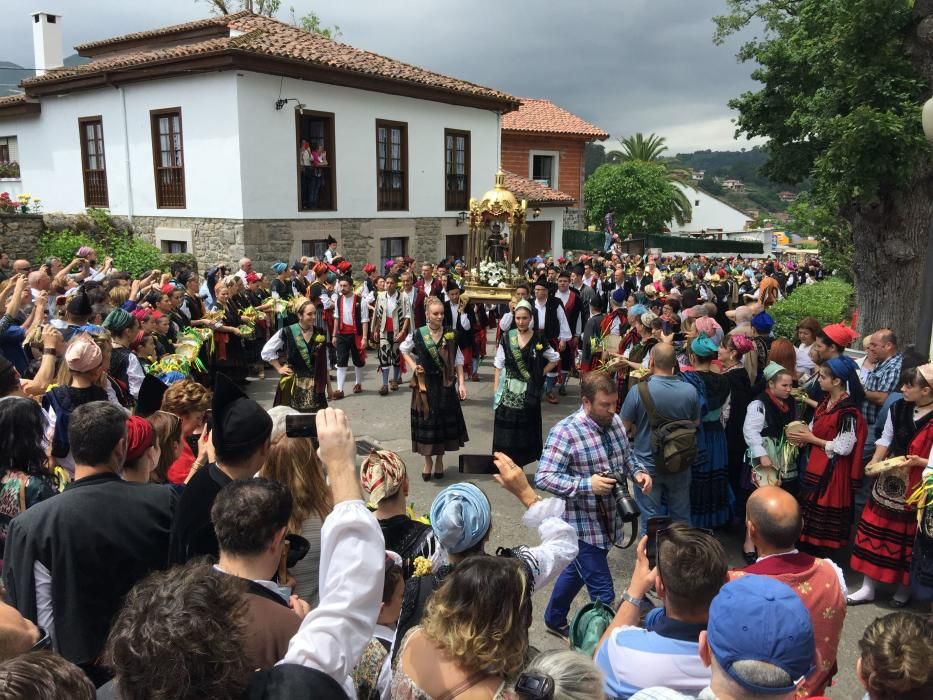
62, 245
829, 301
133, 255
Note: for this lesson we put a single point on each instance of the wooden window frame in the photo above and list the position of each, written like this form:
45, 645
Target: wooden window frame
403, 127
555, 175
330, 147
448, 206
4, 147
85, 169
154, 115
405, 245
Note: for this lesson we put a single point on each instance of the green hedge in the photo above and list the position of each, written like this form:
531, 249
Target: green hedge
589, 241
130, 253
829, 301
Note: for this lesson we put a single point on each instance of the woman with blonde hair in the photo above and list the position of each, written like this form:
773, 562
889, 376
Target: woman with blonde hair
473, 636
293, 462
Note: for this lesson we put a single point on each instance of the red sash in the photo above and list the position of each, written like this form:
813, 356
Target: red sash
347, 328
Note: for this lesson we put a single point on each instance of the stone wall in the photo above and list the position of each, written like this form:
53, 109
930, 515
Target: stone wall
212, 240
19, 235
574, 219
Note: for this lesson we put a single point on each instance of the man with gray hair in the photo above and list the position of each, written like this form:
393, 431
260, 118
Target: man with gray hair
246, 266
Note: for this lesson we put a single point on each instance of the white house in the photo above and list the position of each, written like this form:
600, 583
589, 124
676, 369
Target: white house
709, 214
195, 131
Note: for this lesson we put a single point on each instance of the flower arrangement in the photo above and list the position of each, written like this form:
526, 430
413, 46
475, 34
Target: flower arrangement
23, 204
10, 169
449, 335
493, 273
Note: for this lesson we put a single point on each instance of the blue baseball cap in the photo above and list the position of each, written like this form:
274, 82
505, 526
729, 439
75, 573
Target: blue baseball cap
758, 618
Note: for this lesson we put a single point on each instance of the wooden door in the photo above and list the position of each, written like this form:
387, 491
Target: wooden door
537, 239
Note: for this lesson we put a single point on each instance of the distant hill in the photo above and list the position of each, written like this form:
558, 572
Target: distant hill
744, 165
11, 74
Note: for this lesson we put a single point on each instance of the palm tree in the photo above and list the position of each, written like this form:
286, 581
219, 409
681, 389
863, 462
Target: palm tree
649, 150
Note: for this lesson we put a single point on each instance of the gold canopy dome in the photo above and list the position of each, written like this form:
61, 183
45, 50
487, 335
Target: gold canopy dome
499, 200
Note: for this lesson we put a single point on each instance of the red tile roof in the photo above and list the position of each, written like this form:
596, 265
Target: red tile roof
535, 192
9, 100
217, 21
543, 116
269, 37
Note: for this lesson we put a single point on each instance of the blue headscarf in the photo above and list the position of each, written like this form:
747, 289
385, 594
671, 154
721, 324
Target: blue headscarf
843, 367
279, 267
637, 310
702, 346
460, 517
762, 322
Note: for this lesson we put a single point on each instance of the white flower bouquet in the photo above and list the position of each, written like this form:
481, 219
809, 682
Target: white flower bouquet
493, 274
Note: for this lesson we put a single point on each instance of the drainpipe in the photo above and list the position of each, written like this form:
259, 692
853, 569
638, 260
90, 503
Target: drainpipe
126, 160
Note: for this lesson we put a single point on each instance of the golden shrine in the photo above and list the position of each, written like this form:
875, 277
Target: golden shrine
496, 237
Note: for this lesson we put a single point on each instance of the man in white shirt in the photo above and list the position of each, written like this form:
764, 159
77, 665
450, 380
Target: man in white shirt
551, 321
331, 251
246, 266
391, 324
351, 328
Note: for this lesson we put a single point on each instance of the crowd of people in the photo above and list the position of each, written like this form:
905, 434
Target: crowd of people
166, 536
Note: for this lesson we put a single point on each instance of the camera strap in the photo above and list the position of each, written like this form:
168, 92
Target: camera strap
607, 521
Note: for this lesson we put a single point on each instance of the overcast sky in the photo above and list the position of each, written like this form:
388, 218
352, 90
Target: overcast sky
625, 65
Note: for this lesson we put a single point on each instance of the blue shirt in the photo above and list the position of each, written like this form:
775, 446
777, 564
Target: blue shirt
665, 652
673, 399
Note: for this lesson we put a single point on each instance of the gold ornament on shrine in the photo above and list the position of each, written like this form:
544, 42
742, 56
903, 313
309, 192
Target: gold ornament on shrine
495, 245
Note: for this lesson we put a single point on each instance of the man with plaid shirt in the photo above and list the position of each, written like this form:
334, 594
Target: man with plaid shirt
579, 449
881, 381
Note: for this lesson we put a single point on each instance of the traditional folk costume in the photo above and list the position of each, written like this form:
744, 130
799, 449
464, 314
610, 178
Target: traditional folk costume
763, 429
820, 585
885, 536
551, 322
305, 389
437, 424
479, 338
833, 474
921, 570
711, 498
740, 395
462, 321
573, 310
229, 356
350, 315
421, 292
391, 322
517, 402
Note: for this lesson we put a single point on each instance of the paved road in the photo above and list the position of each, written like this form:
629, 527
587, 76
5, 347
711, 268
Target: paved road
385, 420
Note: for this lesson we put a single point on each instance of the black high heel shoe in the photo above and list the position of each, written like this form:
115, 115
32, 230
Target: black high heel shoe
425, 477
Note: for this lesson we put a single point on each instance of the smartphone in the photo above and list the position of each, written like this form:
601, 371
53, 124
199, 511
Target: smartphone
476, 464
655, 523
209, 419
301, 425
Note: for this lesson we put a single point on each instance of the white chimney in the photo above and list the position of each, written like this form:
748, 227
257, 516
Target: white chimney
47, 41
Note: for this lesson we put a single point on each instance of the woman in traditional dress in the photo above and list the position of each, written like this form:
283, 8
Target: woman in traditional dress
768, 450
834, 470
125, 368
523, 358
711, 499
228, 346
437, 424
733, 348
281, 288
303, 382
885, 536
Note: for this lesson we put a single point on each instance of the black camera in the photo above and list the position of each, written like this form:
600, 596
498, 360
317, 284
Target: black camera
534, 686
625, 504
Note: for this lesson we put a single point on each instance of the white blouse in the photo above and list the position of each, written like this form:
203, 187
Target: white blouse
550, 354
409, 343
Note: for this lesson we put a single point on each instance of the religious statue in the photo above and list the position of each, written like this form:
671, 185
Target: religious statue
497, 243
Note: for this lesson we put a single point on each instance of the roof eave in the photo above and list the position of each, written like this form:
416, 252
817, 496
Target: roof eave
557, 134
20, 109
244, 59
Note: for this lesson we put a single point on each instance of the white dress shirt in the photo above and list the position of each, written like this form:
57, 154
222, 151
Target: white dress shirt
540, 313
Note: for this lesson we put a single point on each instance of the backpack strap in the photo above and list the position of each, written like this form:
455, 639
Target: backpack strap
653, 416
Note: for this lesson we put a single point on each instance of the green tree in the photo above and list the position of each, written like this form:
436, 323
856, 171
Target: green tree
812, 220
267, 8
640, 193
312, 23
842, 85
594, 155
648, 150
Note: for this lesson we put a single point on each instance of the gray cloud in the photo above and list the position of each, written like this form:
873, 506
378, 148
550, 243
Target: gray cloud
626, 65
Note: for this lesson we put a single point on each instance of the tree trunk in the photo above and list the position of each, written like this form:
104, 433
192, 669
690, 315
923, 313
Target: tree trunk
890, 238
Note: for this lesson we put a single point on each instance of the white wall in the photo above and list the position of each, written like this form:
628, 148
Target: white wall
710, 213
50, 152
269, 148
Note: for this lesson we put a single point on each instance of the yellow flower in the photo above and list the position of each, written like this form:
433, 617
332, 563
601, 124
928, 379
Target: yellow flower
449, 335
422, 566
320, 338
539, 347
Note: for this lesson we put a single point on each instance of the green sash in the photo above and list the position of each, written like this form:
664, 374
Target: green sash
302, 346
431, 347
517, 354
